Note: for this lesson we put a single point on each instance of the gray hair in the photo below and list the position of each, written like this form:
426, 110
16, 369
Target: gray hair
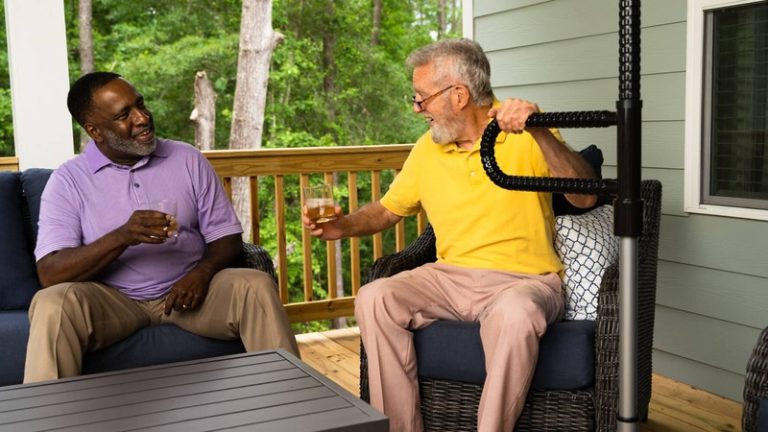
462, 60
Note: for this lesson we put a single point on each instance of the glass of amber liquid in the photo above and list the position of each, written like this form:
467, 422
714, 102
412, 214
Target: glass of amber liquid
319, 201
168, 207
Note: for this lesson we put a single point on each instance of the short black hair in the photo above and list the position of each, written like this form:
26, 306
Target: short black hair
80, 97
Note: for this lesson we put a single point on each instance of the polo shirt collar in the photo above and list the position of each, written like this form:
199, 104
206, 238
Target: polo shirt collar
97, 160
500, 138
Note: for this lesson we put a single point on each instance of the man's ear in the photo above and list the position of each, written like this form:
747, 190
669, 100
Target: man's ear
92, 131
462, 96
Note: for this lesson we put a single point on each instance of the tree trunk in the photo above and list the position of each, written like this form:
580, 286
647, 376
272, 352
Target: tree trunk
340, 322
257, 41
376, 22
85, 34
329, 60
85, 46
456, 24
440, 19
204, 114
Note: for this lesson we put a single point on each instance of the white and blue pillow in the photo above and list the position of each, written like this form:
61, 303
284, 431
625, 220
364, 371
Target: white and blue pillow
587, 247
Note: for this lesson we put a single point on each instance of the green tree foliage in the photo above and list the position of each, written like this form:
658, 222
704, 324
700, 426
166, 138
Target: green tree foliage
160, 45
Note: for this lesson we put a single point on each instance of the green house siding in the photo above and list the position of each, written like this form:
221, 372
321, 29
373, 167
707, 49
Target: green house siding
713, 279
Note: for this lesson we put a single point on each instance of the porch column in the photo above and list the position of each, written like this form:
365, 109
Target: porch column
39, 75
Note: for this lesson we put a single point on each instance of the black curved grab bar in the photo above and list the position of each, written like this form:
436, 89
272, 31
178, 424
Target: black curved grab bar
573, 119
535, 184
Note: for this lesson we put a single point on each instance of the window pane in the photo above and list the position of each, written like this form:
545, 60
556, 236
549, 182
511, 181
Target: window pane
738, 156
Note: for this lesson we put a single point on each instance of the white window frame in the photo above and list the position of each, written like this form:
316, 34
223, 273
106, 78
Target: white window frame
694, 90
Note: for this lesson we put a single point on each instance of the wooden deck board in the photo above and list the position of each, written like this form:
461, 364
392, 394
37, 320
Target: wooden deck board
675, 406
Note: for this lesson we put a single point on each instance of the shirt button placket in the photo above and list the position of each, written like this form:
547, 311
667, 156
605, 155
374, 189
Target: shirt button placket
136, 189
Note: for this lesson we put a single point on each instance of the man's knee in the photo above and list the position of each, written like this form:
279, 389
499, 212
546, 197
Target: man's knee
249, 281
372, 295
54, 297
367, 295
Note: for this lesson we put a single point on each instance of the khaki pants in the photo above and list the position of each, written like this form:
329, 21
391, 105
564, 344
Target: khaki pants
69, 319
513, 311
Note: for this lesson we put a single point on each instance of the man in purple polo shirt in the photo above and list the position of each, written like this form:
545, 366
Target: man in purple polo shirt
110, 265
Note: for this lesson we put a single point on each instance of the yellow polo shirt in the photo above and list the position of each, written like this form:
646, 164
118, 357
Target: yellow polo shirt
478, 224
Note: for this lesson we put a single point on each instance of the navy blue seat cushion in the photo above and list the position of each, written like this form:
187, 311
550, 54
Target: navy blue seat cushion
157, 345
762, 416
14, 331
18, 274
33, 181
149, 346
452, 350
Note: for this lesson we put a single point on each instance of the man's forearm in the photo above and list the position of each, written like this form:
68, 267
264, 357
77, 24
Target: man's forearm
80, 263
564, 162
370, 219
219, 254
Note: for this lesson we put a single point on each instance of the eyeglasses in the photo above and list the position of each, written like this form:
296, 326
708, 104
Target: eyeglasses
420, 104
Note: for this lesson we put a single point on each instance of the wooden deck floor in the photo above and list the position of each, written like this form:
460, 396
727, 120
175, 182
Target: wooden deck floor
675, 407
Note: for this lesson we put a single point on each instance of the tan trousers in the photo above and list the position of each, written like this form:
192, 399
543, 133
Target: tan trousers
513, 311
69, 319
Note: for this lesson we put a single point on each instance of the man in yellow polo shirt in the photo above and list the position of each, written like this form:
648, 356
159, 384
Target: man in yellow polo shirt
495, 258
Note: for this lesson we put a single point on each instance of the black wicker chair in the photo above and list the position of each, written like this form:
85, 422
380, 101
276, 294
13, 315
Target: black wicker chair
756, 387
452, 406
255, 257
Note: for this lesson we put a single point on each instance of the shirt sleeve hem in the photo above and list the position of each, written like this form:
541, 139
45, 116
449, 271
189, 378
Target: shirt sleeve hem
394, 208
42, 251
222, 232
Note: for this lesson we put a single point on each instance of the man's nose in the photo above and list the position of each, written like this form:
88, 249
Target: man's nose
140, 116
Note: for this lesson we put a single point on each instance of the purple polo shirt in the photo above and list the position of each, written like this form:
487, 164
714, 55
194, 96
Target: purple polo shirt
89, 196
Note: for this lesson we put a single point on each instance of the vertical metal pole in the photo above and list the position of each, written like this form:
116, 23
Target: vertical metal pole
628, 412
628, 207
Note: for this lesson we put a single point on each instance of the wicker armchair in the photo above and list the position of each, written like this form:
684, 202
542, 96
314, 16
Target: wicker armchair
452, 406
255, 257
756, 387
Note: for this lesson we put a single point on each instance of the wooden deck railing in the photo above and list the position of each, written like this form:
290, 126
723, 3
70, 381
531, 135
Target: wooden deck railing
9, 163
274, 177
344, 166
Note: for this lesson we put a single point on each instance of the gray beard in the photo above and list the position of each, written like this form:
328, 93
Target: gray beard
448, 132
441, 135
129, 146
450, 128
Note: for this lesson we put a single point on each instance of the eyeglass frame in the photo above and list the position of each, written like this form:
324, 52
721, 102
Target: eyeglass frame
420, 104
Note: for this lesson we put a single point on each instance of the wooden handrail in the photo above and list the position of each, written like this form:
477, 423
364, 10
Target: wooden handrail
9, 163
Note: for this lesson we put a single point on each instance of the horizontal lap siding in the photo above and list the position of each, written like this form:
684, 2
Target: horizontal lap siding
563, 55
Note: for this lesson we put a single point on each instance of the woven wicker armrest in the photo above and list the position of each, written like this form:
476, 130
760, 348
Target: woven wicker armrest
756, 383
256, 257
420, 252
607, 347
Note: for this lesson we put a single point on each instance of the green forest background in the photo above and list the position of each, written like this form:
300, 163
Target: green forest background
159, 46
359, 96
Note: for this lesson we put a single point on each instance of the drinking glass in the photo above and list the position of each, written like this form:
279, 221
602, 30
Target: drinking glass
168, 207
319, 201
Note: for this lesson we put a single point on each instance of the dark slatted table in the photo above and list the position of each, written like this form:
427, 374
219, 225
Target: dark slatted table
264, 391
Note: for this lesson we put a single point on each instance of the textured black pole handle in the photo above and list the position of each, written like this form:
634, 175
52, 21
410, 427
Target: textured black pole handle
533, 184
573, 119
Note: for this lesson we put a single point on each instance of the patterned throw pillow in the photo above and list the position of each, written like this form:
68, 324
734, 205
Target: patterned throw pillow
586, 246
